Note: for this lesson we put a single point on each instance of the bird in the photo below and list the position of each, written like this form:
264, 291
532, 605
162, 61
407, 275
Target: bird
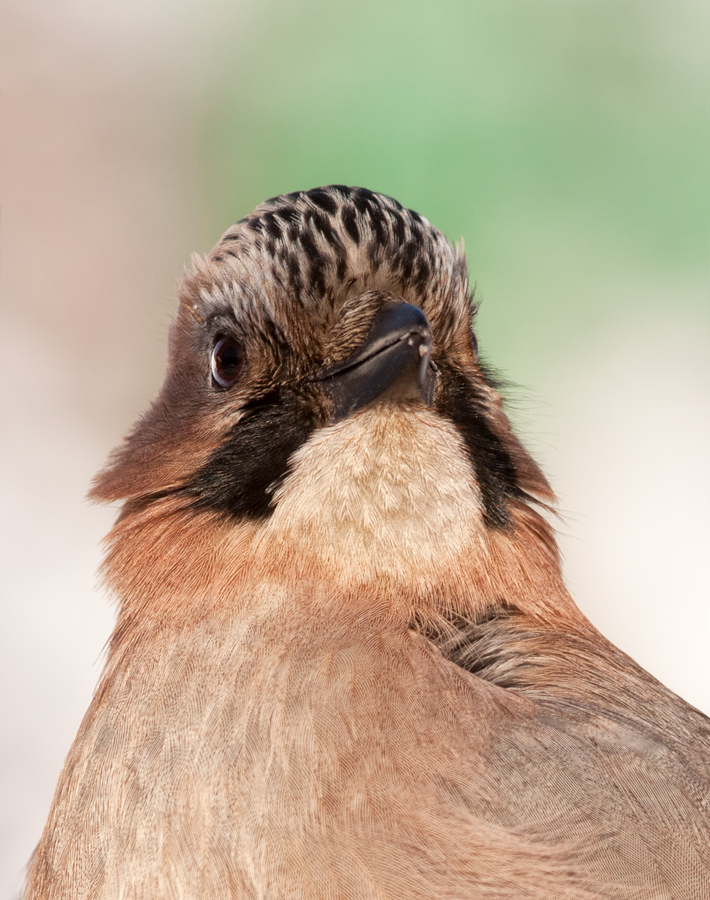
345, 662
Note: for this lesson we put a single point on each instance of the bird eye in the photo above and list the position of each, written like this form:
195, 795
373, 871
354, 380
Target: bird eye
227, 361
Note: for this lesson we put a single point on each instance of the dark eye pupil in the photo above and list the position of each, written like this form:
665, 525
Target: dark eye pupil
227, 361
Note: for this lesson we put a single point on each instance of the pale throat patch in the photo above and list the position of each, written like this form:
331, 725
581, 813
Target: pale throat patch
389, 489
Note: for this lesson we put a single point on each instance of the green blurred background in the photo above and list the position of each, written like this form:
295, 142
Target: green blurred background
565, 141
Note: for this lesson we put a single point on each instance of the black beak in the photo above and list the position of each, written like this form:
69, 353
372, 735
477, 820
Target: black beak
394, 363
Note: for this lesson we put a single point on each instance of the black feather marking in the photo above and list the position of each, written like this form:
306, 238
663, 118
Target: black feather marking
309, 247
407, 258
293, 266
323, 200
462, 402
272, 225
323, 226
318, 276
361, 200
422, 274
379, 227
398, 227
350, 222
287, 214
416, 233
240, 477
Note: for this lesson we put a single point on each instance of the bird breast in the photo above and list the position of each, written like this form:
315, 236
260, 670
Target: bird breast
281, 753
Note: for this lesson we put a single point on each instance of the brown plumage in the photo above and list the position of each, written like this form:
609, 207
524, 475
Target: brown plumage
345, 663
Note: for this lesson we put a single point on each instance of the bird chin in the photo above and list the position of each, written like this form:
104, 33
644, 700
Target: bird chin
388, 492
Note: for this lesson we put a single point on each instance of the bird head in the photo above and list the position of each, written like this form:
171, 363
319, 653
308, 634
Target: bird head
326, 420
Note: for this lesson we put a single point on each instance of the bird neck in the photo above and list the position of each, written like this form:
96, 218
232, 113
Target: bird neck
362, 523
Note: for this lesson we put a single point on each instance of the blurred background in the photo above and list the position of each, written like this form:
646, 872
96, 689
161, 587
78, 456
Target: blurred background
566, 141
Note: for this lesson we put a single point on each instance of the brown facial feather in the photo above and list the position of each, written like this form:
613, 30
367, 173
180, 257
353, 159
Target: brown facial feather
345, 663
